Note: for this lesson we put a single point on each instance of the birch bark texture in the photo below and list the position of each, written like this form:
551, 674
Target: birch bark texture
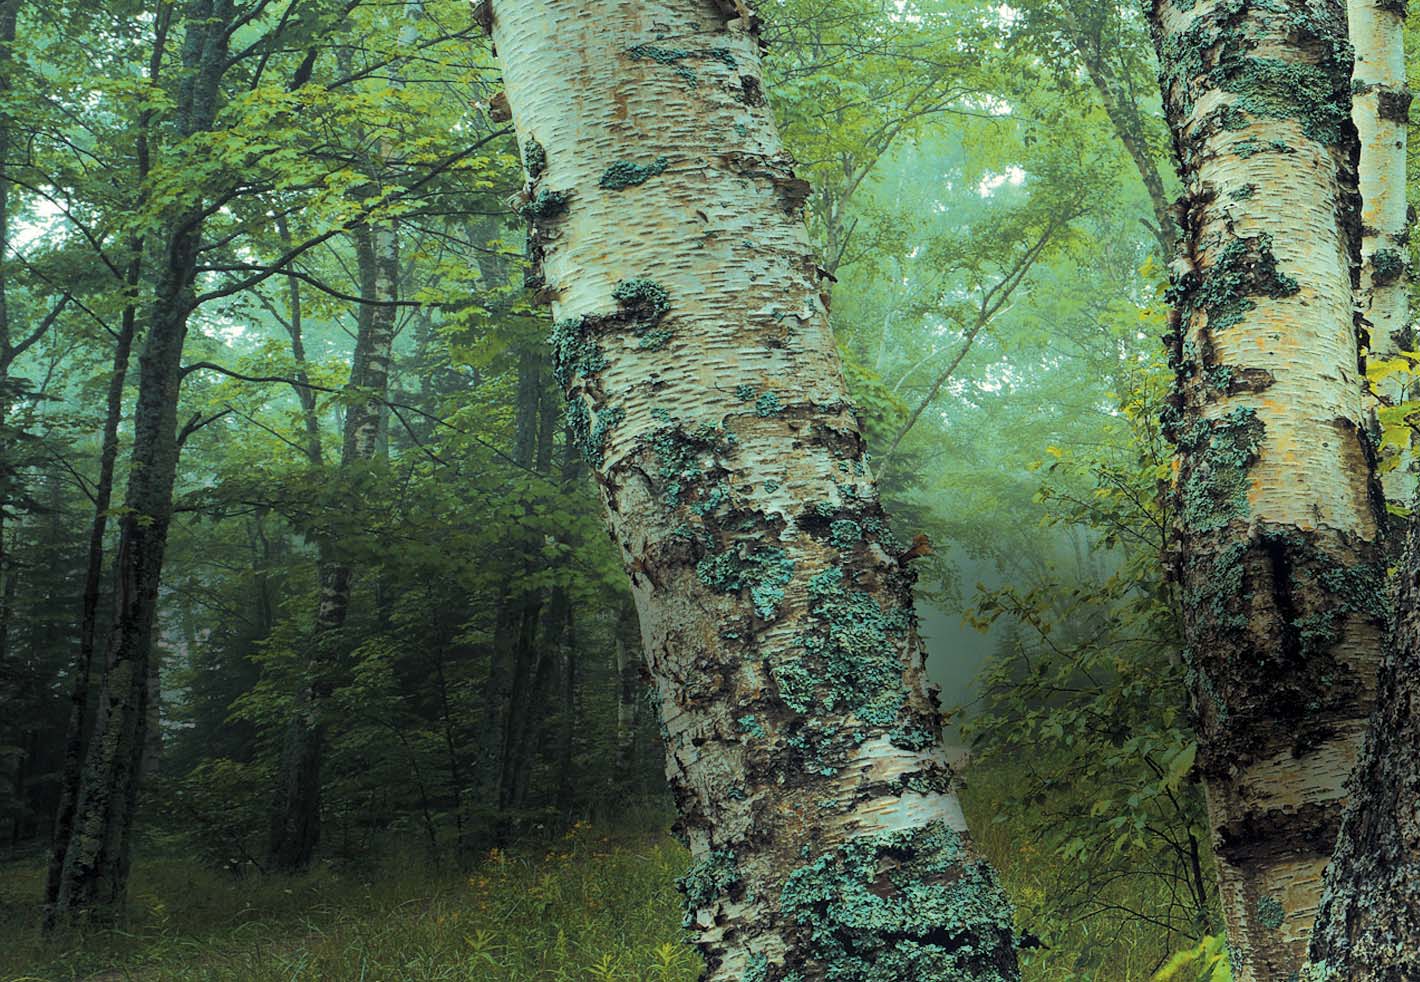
1381, 112
1280, 512
1368, 929
803, 743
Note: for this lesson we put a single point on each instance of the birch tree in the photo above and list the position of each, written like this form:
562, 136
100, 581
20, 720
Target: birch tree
802, 742
1280, 513
1381, 110
1369, 924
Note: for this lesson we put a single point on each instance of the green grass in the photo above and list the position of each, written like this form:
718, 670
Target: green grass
595, 905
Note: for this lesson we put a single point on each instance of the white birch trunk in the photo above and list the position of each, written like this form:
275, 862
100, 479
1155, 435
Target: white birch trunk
1381, 110
1279, 513
802, 742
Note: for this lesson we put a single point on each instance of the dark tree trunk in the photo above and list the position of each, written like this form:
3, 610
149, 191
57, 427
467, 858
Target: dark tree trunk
296, 811
511, 643
1368, 927
94, 873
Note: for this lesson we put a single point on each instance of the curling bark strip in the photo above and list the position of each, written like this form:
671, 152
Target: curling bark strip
1280, 513
802, 740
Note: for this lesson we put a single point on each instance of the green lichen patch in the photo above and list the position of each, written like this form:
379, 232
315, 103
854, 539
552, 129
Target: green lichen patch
750, 726
1218, 52
534, 159
1243, 193
1316, 96
745, 392
763, 571
589, 431
1270, 913
913, 734
574, 352
1218, 456
546, 205
710, 877
685, 458
642, 305
1387, 266
1251, 147
756, 969
899, 905
845, 533
624, 174
675, 58
857, 646
768, 405
642, 300
1242, 269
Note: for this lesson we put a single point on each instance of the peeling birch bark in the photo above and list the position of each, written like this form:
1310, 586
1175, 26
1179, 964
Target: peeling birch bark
802, 740
1280, 514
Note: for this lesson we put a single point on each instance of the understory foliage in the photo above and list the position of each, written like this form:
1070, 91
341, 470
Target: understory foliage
1083, 703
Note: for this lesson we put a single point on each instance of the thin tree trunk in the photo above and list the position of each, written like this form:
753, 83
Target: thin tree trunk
95, 870
1280, 513
803, 745
296, 812
294, 329
505, 659
568, 718
1381, 111
1128, 124
77, 729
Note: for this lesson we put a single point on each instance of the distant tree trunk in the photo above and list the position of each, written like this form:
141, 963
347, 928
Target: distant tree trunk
82, 672
1280, 513
803, 744
152, 727
9, 15
567, 717
506, 659
295, 816
1129, 126
95, 870
629, 695
543, 619
294, 328
1381, 111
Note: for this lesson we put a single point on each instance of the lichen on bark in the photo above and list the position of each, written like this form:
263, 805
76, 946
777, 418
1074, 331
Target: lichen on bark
780, 638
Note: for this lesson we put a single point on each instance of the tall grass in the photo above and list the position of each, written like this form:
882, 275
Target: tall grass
596, 904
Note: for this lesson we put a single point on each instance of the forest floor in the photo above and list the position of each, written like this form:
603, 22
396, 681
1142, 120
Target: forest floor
599, 903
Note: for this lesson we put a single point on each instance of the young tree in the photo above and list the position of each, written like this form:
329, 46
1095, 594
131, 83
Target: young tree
95, 867
803, 743
295, 817
1280, 513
